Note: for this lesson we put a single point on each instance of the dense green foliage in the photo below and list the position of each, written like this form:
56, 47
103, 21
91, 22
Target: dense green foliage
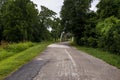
20, 20
10, 64
90, 36
108, 27
46, 17
74, 17
109, 34
108, 8
95, 29
56, 29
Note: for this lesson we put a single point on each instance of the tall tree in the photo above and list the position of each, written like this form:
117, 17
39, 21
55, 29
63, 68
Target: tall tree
46, 16
56, 28
2, 4
19, 16
74, 16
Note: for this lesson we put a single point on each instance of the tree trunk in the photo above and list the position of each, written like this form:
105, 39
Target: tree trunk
0, 42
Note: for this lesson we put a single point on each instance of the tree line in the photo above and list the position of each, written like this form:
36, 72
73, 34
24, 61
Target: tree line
100, 29
20, 20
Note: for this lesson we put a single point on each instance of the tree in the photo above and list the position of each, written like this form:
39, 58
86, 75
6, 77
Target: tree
109, 31
74, 16
46, 15
108, 8
20, 17
90, 35
56, 28
1, 28
21, 21
67, 12
2, 4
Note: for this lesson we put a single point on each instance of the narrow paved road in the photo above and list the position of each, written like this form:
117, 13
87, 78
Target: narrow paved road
62, 62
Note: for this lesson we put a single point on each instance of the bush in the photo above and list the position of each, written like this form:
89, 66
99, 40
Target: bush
92, 42
88, 41
18, 47
13, 49
109, 31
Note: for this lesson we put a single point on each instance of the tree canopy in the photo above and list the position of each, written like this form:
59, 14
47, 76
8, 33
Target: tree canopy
108, 8
74, 16
95, 29
21, 21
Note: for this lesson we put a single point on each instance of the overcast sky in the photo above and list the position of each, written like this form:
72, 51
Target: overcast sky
93, 6
56, 5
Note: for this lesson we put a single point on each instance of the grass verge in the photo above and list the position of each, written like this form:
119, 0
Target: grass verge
14, 62
108, 57
13, 49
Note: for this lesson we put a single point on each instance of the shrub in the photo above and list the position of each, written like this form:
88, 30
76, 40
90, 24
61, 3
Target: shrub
109, 31
92, 42
18, 47
13, 49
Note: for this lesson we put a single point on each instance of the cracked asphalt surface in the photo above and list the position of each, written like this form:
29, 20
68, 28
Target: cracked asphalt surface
62, 62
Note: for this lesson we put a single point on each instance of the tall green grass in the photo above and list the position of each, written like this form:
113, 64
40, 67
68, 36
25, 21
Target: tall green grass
17, 47
10, 64
12, 49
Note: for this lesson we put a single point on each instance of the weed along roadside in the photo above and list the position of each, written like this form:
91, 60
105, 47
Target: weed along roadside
12, 49
12, 63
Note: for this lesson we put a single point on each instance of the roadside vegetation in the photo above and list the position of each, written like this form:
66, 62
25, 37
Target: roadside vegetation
25, 29
13, 56
110, 58
21, 21
13, 49
98, 30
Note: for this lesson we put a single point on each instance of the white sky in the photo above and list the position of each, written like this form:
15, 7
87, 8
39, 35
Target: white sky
56, 5
93, 6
